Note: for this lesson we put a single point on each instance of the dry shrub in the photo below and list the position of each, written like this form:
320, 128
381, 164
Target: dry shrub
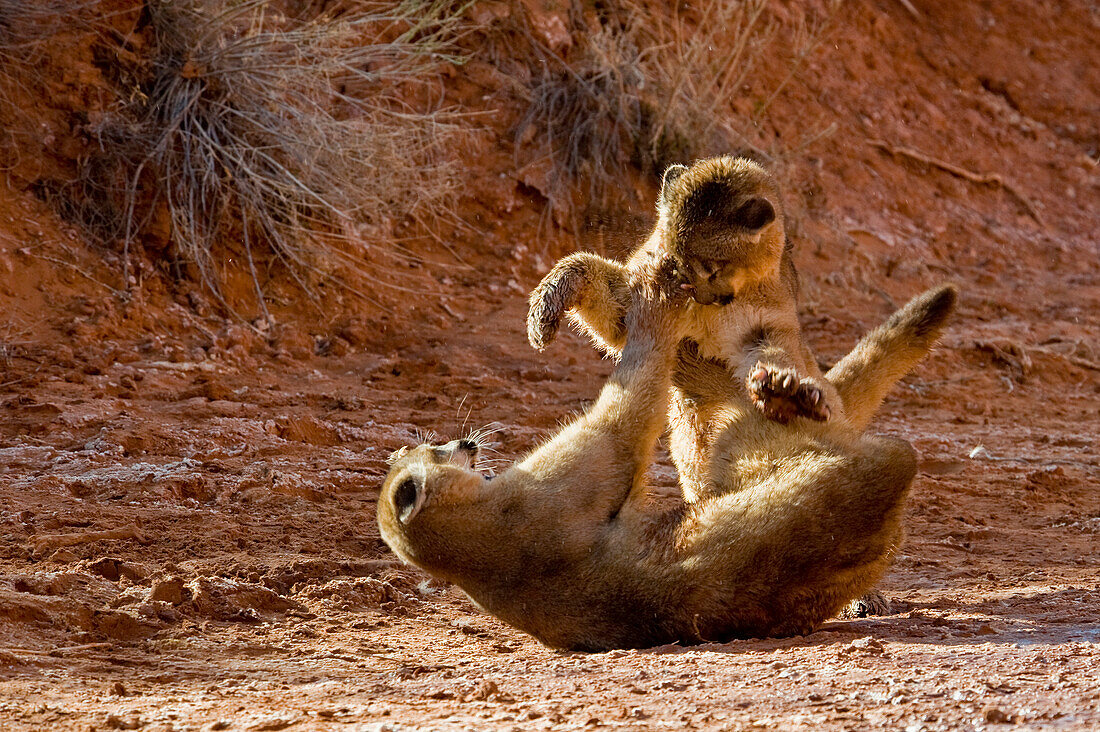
288, 133
697, 69
241, 133
591, 115
653, 89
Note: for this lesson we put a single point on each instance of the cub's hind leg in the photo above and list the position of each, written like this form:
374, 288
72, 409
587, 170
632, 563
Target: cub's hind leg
698, 405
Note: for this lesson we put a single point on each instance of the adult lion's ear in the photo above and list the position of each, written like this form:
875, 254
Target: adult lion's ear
397, 455
408, 499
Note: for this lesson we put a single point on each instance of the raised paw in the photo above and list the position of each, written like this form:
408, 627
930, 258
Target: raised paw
781, 396
559, 291
873, 603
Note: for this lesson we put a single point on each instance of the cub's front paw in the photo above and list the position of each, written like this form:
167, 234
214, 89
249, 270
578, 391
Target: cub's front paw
781, 396
559, 291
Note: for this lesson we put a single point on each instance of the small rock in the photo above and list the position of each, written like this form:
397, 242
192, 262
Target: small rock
118, 689
271, 724
994, 715
106, 568
865, 645
63, 556
157, 610
168, 590
114, 721
115, 569
441, 694
489, 691
485, 691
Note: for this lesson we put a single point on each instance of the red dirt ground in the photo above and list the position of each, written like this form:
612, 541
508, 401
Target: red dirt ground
187, 509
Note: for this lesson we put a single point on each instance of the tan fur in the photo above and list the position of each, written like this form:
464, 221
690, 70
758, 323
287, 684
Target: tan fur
564, 545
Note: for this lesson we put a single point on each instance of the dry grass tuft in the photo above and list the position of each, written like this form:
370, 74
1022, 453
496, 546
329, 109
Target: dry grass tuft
286, 133
696, 69
652, 90
590, 114
240, 133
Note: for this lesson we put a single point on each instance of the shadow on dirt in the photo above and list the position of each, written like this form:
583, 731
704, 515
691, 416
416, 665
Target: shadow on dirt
1050, 618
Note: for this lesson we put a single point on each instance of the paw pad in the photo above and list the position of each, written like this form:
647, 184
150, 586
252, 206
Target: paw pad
781, 395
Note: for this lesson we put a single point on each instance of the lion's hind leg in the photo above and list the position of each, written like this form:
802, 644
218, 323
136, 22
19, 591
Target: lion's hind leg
808, 532
887, 353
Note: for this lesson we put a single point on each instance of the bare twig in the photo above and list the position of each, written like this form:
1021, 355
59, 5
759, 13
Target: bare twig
54, 260
55, 541
993, 179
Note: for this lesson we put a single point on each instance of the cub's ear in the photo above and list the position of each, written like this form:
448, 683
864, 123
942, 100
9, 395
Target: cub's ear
397, 455
754, 214
672, 172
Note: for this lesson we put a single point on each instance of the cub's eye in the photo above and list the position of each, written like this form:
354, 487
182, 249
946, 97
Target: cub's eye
712, 269
405, 499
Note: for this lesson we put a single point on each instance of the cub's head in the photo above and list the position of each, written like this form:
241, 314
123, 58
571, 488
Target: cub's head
429, 504
722, 225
